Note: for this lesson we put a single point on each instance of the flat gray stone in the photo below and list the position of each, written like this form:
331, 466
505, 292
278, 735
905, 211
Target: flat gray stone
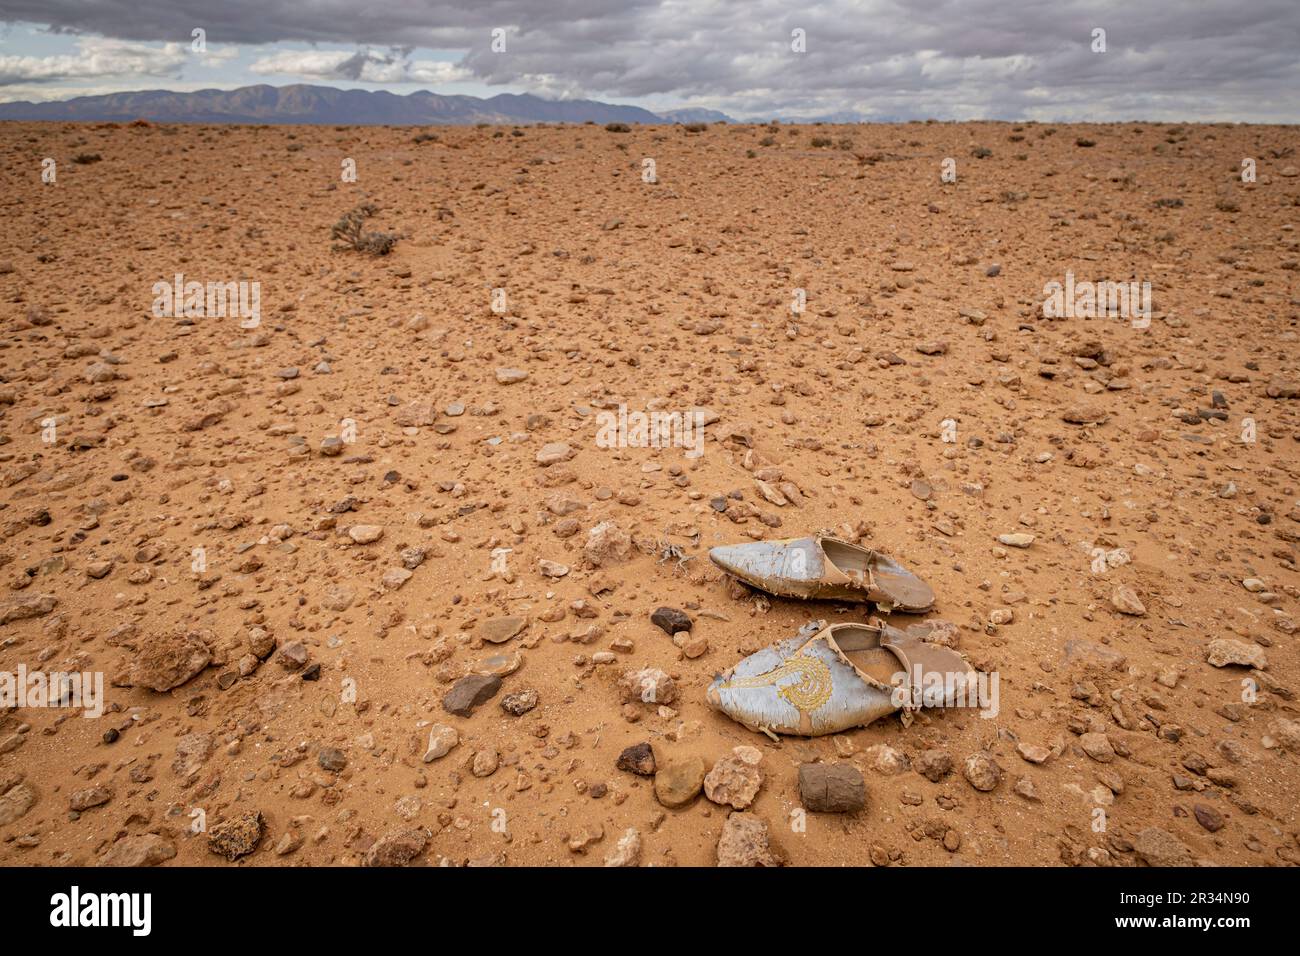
468, 692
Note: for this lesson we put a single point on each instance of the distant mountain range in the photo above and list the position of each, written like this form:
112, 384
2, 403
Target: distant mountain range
325, 105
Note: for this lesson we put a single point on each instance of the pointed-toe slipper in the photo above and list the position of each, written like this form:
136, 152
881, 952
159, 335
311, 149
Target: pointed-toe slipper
824, 568
845, 676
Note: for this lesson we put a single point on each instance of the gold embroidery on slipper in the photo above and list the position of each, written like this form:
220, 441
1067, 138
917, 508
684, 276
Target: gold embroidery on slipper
807, 694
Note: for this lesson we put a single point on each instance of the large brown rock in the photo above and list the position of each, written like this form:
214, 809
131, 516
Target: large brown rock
735, 779
1157, 847
981, 771
649, 685
34, 605
520, 702
88, 797
15, 802
498, 630
1281, 388
192, 752
398, 847
417, 413
1224, 652
671, 620
148, 849
1089, 653
607, 544
885, 759
678, 780
168, 660
1287, 733
1125, 600
468, 692
1097, 746
638, 759
933, 764
1084, 413
831, 788
236, 837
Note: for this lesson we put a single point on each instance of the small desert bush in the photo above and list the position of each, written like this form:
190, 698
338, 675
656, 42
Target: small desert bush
695, 127
85, 159
350, 230
617, 128
821, 142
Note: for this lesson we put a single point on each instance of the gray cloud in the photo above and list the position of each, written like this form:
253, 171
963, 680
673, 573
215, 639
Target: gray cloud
1215, 60
364, 65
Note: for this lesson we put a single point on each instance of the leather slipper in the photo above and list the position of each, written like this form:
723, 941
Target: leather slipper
825, 568
845, 676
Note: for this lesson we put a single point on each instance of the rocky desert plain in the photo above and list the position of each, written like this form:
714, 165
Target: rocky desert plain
365, 586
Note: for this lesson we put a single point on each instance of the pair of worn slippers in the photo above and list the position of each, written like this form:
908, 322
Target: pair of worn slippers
833, 678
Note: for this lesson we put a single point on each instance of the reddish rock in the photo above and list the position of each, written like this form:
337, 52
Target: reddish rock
745, 842
168, 660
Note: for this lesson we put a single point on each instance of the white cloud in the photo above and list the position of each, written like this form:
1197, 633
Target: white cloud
318, 63
436, 72
97, 58
366, 66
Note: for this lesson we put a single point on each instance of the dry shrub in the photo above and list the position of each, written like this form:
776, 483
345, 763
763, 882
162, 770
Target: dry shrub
350, 230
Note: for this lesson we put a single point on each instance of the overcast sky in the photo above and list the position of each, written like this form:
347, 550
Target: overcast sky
1209, 60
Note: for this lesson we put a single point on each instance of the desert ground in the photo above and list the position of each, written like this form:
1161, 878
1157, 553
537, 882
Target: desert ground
285, 543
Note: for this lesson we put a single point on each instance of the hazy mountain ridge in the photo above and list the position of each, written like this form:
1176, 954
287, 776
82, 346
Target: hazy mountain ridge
307, 104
